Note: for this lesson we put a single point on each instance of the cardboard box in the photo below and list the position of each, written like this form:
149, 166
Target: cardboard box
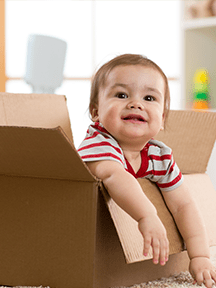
55, 227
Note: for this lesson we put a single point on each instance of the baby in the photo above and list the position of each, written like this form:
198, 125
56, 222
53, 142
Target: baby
129, 105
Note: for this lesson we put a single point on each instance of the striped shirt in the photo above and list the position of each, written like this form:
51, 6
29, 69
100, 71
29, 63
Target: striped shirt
157, 163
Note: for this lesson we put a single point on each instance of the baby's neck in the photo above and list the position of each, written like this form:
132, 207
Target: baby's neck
134, 158
132, 152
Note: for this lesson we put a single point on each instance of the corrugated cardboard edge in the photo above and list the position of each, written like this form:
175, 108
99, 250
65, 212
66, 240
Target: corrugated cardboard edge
203, 192
127, 229
111, 269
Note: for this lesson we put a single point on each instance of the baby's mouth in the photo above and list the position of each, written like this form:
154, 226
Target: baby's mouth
134, 118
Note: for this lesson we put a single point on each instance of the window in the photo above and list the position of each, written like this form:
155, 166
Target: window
95, 31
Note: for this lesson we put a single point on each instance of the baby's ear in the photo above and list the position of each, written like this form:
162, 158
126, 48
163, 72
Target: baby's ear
163, 122
94, 115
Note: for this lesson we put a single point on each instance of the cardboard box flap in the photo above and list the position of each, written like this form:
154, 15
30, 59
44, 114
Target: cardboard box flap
35, 110
131, 239
46, 153
127, 229
191, 135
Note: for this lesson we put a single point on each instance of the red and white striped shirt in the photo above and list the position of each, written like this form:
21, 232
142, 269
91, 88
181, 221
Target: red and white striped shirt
157, 162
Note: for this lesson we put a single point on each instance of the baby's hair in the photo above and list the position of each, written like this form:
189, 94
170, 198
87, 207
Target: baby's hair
99, 79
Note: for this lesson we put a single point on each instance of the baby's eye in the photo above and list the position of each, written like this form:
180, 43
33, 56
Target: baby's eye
149, 98
121, 95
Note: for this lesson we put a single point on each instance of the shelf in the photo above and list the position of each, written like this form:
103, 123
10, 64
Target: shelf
199, 23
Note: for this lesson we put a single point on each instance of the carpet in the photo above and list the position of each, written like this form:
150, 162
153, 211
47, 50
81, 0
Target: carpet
181, 280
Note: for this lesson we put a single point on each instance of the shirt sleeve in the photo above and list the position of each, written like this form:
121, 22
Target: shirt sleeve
99, 145
162, 168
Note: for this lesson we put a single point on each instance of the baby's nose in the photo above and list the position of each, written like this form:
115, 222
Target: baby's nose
135, 105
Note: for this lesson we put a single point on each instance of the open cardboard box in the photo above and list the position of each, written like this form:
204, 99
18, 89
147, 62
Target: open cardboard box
55, 227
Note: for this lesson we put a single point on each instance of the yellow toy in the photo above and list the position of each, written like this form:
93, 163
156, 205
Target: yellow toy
201, 89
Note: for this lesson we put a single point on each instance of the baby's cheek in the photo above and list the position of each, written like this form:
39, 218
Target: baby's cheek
111, 114
110, 123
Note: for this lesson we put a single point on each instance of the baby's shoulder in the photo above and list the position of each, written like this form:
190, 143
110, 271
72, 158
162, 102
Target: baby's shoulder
158, 148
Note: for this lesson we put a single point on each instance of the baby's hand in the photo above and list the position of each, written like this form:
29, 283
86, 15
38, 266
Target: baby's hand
154, 234
202, 271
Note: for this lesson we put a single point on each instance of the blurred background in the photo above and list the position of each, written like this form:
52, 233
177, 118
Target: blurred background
95, 31
179, 35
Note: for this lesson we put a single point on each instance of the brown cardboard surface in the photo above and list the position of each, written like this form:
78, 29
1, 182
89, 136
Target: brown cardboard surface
191, 135
48, 230
35, 110
35, 152
52, 240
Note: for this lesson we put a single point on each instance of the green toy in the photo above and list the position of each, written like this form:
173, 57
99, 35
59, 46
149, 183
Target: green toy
201, 89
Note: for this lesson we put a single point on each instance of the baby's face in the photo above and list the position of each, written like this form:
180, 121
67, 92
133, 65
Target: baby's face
131, 103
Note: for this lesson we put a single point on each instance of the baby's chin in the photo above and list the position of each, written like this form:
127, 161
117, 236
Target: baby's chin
133, 139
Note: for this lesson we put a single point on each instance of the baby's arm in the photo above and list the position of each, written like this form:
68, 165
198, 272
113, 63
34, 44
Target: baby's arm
128, 194
192, 229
